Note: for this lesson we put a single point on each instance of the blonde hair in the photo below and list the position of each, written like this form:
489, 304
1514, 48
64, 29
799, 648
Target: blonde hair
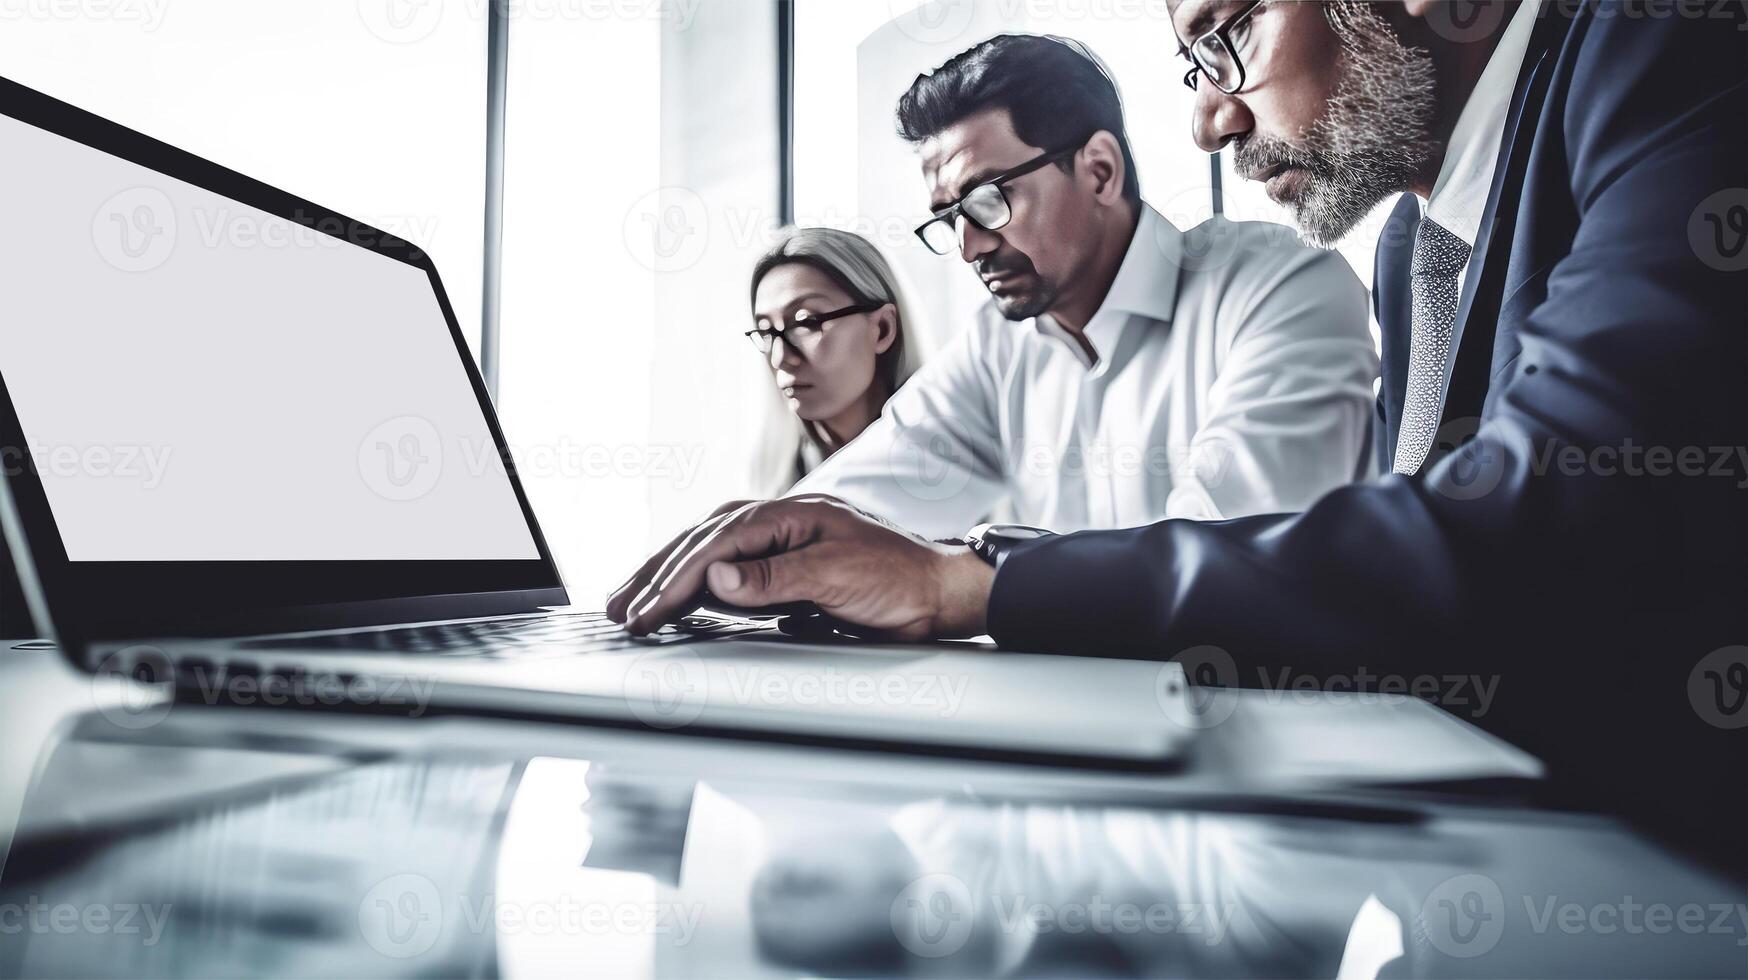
858, 268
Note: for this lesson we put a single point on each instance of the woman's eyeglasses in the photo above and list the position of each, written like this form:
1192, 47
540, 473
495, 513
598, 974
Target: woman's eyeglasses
1215, 54
803, 329
985, 205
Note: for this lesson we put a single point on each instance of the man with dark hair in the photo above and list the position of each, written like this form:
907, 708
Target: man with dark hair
1561, 291
1054, 89
1208, 374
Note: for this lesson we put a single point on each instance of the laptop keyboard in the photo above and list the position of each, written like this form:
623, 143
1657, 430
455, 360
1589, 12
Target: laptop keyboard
541, 636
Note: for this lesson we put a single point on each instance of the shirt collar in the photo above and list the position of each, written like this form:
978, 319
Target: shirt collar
1459, 196
1146, 285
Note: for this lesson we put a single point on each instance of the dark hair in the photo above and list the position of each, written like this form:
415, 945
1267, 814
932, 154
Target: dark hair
1054, 89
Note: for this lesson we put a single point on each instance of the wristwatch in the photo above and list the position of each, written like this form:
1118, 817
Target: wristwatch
994, 542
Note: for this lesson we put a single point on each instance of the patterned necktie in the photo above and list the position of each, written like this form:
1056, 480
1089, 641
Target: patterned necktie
1439, 257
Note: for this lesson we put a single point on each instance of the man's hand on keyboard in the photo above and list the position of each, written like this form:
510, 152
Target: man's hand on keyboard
812, 549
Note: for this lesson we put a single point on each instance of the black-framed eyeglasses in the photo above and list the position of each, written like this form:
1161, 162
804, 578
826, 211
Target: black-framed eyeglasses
1215, 54
985, 205
803, 329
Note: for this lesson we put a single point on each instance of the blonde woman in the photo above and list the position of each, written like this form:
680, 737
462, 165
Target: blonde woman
833, 326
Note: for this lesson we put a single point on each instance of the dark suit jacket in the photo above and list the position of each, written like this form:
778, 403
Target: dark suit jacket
1603, 316
14, 617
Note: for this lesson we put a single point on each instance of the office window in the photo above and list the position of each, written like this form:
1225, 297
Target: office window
373, 108
640, 186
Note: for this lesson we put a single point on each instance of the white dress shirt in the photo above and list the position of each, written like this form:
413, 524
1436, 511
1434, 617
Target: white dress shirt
1234, 377
1459, 196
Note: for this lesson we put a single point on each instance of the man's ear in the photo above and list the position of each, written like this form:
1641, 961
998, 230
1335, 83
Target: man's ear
1102, 160
1417, 8
885, 328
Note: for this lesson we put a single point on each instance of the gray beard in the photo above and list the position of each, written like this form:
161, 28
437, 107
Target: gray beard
1375, 138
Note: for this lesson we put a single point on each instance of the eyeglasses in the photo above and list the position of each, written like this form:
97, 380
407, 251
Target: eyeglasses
1215, 53
985, 205
803, 329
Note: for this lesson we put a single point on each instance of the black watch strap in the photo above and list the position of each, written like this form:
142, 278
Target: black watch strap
994, 542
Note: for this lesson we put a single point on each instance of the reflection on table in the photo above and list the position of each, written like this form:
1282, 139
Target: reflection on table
395, 866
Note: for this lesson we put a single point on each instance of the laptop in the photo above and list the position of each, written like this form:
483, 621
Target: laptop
248, 455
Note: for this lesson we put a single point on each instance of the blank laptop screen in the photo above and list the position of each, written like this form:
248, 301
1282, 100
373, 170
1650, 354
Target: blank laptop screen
200, 380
